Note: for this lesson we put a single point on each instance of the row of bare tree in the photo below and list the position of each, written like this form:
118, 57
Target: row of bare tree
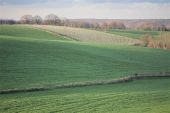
8, 21
52, 19
151, 26
55, 20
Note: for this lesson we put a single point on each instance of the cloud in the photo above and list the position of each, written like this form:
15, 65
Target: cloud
123, 1
144, 10
20, 2
63, 2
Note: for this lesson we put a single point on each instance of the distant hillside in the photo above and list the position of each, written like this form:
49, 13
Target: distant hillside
129, 23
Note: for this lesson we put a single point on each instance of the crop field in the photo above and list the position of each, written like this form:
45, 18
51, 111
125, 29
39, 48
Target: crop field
86, 35
135, 34
31, 57
149, 96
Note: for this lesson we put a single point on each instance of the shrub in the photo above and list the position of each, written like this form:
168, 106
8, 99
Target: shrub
163, 41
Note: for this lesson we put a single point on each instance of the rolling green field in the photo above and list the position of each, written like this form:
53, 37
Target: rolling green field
146, 96
34, 58
136, 34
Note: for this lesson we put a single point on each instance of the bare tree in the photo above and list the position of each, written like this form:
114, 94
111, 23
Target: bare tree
52, 19
162, 28
104, 26
37, 20
26, 19
96, 25
117, 25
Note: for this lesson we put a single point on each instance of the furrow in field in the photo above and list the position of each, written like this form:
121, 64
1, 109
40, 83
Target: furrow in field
89, 103
46, 103
86, 35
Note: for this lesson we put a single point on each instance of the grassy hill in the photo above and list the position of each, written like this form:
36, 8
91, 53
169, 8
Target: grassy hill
136, 34
149, 96
33, 58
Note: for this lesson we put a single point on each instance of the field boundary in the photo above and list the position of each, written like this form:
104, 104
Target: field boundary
136, 76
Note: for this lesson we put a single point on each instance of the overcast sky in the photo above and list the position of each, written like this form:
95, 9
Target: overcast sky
102, 9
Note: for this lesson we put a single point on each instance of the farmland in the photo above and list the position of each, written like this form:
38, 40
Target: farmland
31, 57
136, 34
149, 96
93, 36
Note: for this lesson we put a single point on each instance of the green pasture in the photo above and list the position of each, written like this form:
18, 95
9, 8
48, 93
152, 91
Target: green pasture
149, 96
35, 58
136, 34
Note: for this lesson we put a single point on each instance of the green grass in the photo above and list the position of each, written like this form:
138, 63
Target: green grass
33, 61
136, 34
149, 96
31, 58
26, 32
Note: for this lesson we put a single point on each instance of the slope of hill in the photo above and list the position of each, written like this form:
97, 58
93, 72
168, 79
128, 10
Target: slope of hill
86, 35
35, 58
149, 96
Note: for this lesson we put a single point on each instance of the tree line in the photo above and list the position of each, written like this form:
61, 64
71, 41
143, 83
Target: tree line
52, 19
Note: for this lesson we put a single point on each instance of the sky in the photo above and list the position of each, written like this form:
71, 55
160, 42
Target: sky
76, 9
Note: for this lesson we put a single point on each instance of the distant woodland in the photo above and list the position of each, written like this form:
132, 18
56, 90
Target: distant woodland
100, 24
